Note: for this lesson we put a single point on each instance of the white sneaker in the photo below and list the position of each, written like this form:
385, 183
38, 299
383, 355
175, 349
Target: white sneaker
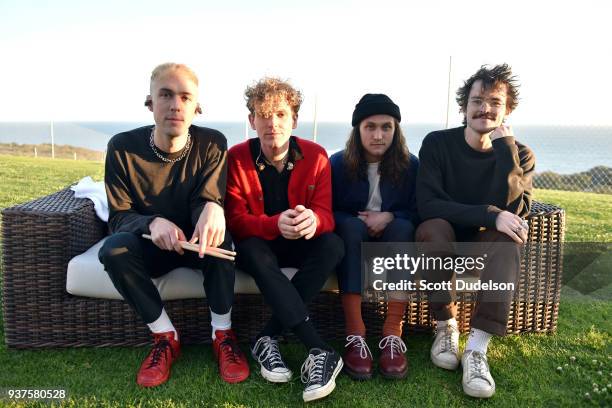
477, 381
445, 348
267, 354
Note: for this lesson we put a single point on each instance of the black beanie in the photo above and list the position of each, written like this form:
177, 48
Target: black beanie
375, 104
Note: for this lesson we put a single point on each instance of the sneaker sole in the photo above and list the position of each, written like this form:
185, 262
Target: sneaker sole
326, 389
234, 380
273, 377
443, 364
477, 393
153, 384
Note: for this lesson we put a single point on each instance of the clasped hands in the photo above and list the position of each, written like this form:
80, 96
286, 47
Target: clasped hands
375, 221
297, 222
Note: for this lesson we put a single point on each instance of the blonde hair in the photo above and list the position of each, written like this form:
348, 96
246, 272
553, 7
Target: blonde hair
172, 66
262, 96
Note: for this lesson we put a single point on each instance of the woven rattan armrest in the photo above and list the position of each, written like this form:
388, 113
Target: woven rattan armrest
38, 239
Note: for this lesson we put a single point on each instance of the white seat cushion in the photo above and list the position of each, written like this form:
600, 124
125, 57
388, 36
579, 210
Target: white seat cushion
86, 277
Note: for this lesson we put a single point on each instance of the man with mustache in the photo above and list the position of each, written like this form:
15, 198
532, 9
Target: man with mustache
474, 184
168, 180
279, 211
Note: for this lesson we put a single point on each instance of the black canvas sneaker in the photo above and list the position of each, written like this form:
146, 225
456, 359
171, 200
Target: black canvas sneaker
267, 354
319, 373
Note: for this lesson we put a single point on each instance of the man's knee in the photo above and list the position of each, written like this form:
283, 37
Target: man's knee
435, 230
117, 247
493, 235
352, 229
254, 251
399, 230
331, 244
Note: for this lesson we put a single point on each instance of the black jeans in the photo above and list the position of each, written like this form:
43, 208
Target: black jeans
316, 259
131, 262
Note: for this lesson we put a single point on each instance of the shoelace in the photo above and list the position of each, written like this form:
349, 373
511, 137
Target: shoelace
159, 348
394, 342
359, 342
447, 341
312, 369
269, 352
477, 362
230, 356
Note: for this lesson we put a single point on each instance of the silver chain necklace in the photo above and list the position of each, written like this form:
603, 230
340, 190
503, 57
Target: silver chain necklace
165, 159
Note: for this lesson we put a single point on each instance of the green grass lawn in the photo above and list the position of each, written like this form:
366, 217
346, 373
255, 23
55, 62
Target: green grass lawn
530, 370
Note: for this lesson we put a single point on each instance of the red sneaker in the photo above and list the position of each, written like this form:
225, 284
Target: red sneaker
233, 366
155, 369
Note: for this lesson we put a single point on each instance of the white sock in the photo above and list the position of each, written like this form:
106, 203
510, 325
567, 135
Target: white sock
220, 322
441, 324
163, 325
478, 341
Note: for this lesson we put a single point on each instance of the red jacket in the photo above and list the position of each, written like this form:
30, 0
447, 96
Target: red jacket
309, 185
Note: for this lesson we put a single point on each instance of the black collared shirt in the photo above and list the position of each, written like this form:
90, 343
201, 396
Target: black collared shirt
275, 185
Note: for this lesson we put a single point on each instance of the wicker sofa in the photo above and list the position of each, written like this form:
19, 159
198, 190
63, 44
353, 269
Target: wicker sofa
40, 237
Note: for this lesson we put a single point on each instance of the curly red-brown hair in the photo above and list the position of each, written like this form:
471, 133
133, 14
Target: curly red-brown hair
262, 96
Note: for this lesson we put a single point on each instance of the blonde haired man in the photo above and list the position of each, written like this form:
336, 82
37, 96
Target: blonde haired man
168, 180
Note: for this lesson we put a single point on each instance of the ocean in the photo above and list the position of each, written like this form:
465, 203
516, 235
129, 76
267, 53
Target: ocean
564, 150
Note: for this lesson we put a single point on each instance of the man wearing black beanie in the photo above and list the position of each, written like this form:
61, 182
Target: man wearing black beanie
375, 104
373, 184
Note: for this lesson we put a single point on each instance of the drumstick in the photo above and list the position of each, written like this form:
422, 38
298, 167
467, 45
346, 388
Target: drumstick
212, 251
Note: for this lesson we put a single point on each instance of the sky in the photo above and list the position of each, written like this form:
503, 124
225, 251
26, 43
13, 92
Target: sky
69, 60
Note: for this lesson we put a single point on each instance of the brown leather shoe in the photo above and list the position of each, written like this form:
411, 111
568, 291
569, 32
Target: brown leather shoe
233, 365
393, 363
357, 358
155, 369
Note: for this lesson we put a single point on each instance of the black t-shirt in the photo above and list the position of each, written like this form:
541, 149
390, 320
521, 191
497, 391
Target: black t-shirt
140, 186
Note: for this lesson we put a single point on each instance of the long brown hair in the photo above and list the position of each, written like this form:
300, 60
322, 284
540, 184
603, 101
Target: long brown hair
394, 163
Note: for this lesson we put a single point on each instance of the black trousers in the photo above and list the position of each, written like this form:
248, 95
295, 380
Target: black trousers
316, 259
131, 262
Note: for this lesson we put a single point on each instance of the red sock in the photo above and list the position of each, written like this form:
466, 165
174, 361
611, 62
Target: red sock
393, 322
351, 302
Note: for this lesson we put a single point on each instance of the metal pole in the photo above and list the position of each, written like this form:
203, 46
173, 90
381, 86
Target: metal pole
448, 92
52, 142
314, 123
